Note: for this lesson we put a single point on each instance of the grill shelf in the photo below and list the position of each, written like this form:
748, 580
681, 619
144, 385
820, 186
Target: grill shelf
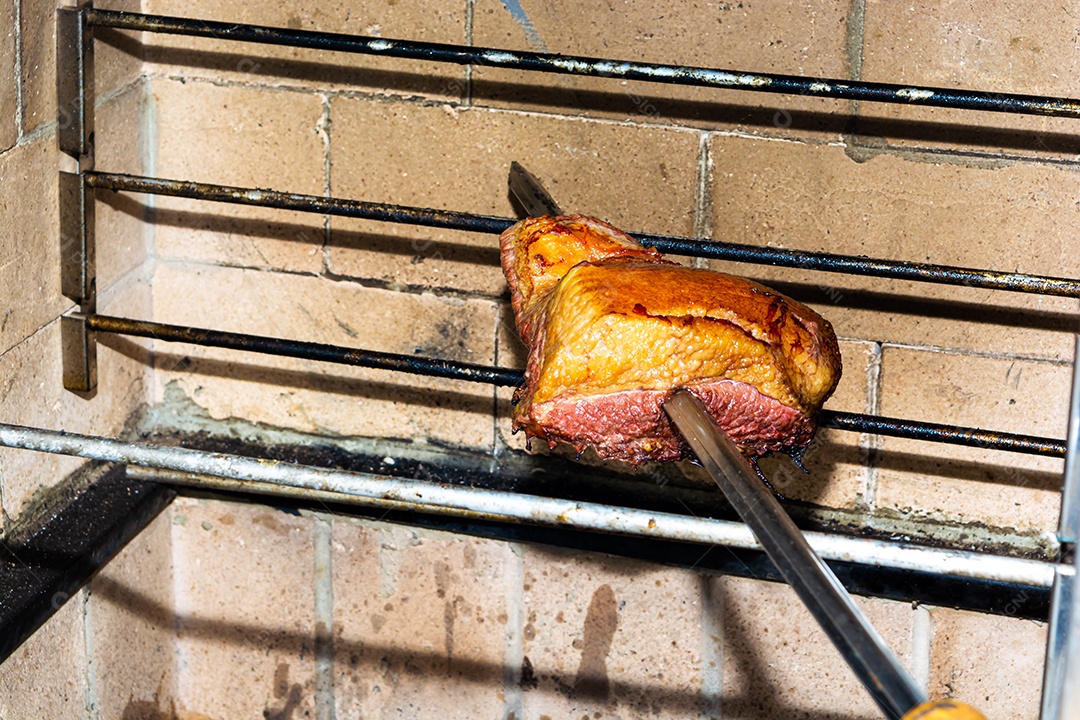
856, 422
75, 86
715, 250
596, 67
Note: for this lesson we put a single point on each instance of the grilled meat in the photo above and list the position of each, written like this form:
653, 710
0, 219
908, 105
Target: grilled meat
613, 328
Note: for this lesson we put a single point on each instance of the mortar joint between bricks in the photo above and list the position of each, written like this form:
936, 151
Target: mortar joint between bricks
20, 94
703, 196
869, 444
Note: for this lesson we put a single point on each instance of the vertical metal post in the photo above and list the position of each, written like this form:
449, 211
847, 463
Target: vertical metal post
1061, 683
77, 260
75, 135
79, 352
74, 82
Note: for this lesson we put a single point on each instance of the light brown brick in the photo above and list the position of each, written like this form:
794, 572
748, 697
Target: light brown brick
837, 470
972, 46
29, 241
993, 663
779, 663
133, 619
32, 393
245, 137
641, 179
804, 39
9, 86
38, 32
610, 636
325, 398
1009, 218
972, 485
441, 21
46, 676
244, 605
120, 231
420, 619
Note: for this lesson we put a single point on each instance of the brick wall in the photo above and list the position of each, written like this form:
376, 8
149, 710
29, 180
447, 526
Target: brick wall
230, 610
101, 650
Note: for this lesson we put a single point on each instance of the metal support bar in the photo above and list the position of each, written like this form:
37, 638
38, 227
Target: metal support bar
78, 260
75, 134
340, 207
1061, 649
979, 595
508, 377
306, 350
948, 434
453, 220
1061, 682
79, 352
74, 82
382, 490
1069, 526
841, 89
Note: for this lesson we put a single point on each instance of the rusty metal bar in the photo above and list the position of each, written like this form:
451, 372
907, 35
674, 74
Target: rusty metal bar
78, 252
78, 349
825, 262
384, 212
305, 350
841, 89
949, 434
508, 377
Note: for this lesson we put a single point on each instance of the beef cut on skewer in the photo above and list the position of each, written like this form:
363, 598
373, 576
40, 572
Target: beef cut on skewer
613, 329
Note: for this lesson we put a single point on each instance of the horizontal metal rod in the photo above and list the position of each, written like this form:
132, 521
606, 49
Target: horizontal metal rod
756, 254
508, 377
370, 489
841, 89
304, 350
950, 434
384, 212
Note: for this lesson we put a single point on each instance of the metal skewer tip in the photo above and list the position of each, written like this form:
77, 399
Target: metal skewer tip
530, 193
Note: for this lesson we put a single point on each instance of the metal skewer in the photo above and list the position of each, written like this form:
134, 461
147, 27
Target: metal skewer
887, 681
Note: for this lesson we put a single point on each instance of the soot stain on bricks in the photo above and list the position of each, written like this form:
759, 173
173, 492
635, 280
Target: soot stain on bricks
601, 620
448, 339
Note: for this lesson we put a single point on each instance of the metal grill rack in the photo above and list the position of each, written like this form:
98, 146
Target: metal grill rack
230, 472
